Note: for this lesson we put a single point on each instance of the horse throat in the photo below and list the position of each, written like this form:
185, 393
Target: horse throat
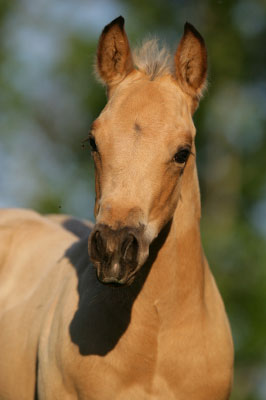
176, 277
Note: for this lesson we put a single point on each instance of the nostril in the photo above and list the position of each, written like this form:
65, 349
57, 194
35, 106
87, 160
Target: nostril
97, 245
129, 249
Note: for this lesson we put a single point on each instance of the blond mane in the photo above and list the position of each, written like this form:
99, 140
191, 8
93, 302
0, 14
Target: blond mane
152, 59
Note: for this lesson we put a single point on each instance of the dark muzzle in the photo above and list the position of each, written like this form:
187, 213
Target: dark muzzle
115, 253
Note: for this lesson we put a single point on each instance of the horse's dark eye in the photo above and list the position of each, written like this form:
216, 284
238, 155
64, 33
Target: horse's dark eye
181, 156
92, 143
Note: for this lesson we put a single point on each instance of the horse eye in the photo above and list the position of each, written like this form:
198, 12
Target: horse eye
181, 156
92, 143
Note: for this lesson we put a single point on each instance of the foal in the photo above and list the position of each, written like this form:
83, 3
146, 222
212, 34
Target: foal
150, 323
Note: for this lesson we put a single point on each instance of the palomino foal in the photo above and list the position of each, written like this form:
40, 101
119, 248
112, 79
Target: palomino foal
150, 323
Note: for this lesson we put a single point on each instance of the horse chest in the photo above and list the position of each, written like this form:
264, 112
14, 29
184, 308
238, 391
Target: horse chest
177, 385
163, 371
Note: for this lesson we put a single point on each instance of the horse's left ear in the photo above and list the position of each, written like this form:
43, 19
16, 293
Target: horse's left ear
191, 62
114, 59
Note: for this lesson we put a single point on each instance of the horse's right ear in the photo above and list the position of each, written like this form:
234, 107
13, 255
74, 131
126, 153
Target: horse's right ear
114, 60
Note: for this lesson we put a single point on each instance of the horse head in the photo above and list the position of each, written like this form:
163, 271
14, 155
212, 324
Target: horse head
142, 145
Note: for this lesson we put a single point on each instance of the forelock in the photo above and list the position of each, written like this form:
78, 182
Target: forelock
153, 60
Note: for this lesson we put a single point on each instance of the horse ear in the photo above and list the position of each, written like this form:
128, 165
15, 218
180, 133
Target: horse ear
114, 60
191, 62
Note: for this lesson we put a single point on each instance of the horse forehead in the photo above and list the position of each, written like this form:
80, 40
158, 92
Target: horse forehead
147, 108
149, 98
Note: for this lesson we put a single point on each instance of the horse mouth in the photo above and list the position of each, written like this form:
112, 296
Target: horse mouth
113, 283
117, 281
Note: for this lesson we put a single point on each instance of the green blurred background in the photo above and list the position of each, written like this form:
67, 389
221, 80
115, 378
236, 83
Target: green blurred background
49, 97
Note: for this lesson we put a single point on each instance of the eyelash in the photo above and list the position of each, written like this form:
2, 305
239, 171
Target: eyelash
92, 143
182, 155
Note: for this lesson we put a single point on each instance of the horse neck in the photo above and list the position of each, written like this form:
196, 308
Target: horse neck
176, 278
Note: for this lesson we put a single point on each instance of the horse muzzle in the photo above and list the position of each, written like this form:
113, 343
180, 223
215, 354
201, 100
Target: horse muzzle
117, 254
